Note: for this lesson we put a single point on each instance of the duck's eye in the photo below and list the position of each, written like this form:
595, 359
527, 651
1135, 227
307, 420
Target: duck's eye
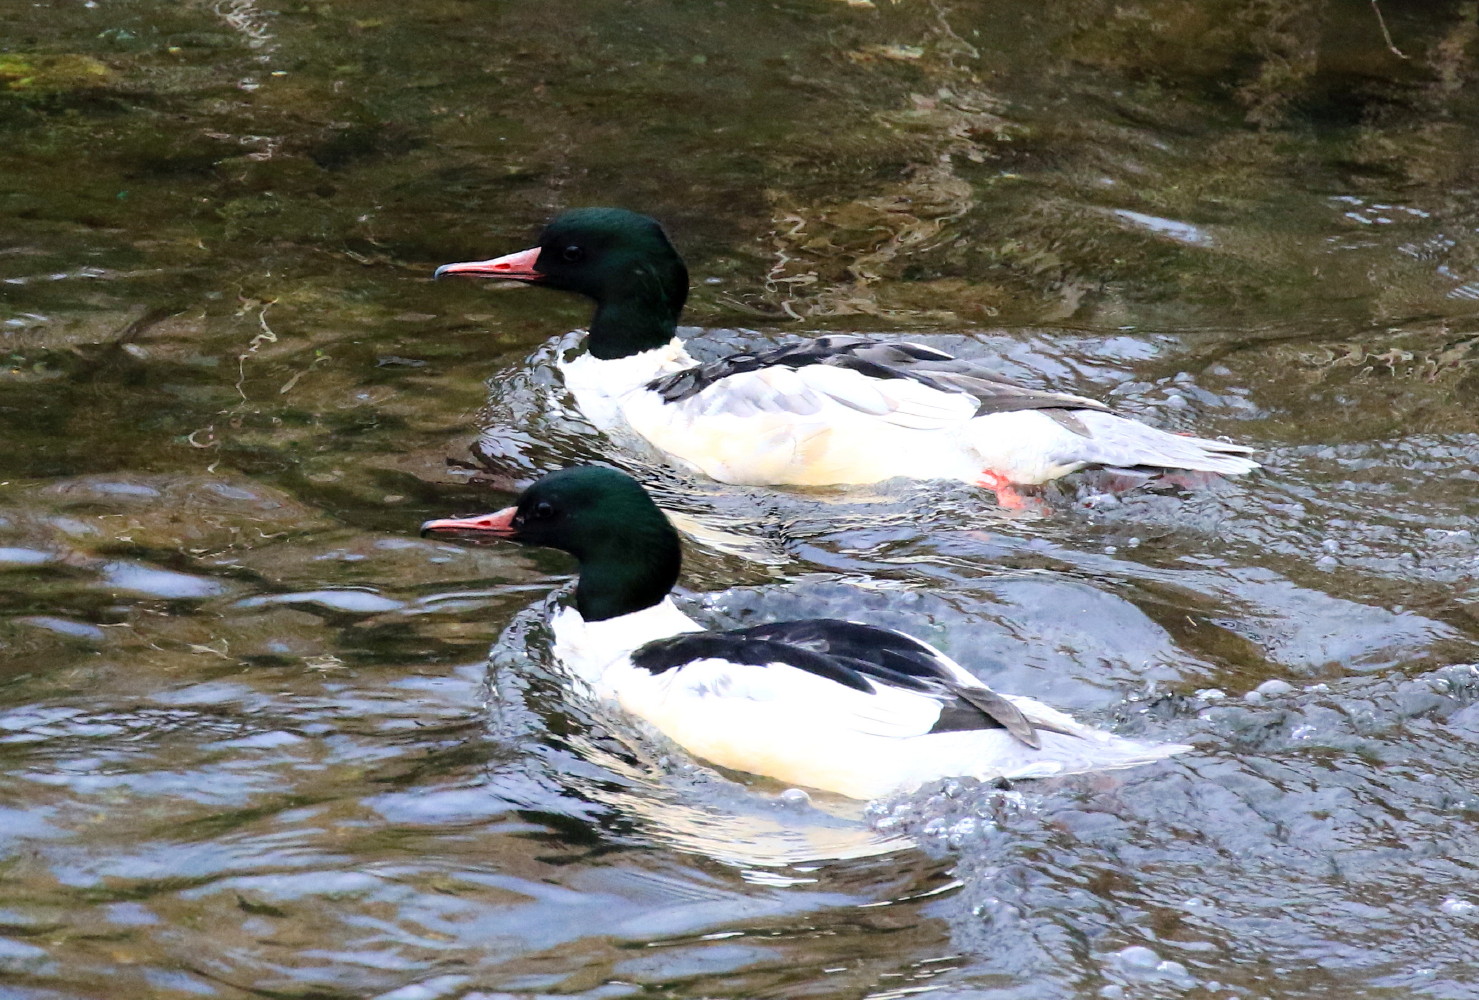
573, 254
542, 510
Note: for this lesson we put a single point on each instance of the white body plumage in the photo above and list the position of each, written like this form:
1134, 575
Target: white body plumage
820, 425
809, 730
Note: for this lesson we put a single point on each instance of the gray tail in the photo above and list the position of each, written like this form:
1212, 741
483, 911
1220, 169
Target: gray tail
1122, 442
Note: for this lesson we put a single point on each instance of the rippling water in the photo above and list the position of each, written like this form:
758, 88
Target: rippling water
253, 739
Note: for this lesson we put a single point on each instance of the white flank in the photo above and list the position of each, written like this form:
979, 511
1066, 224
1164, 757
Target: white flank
821, 425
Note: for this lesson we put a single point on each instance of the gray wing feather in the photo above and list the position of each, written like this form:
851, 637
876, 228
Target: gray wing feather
1121, 442
877, 360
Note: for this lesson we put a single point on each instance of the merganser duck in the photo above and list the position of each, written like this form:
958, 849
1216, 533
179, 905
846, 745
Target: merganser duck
835, 410
821, 703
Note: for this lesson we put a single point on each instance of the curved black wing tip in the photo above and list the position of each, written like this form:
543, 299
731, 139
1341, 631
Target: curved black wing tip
1002, 711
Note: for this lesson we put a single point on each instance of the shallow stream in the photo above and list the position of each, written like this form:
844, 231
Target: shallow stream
252, 742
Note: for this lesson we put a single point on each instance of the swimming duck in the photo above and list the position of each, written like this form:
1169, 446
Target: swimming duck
830, 411
821, 703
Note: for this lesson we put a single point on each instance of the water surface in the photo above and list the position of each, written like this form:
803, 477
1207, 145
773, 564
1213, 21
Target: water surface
253, 740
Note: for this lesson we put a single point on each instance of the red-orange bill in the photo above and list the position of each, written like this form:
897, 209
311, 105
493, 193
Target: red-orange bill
499, 525
521, 266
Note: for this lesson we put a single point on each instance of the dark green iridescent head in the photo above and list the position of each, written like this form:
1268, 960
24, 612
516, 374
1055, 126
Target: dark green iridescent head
629, 553
621, 260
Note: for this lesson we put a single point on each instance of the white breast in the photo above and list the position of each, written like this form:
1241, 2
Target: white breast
600, 387
595, 651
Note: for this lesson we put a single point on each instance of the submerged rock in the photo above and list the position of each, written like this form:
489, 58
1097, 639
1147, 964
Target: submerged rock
39, 73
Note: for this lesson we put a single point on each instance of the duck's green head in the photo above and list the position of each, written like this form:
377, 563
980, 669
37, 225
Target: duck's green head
628, 551
620, 259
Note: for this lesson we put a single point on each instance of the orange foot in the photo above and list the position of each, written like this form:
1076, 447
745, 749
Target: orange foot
1007, 494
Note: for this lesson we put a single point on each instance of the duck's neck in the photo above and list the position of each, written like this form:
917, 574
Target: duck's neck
624, 328
628, 573
639, 309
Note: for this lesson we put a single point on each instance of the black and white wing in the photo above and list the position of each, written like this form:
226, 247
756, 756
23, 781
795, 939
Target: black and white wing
865, 678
